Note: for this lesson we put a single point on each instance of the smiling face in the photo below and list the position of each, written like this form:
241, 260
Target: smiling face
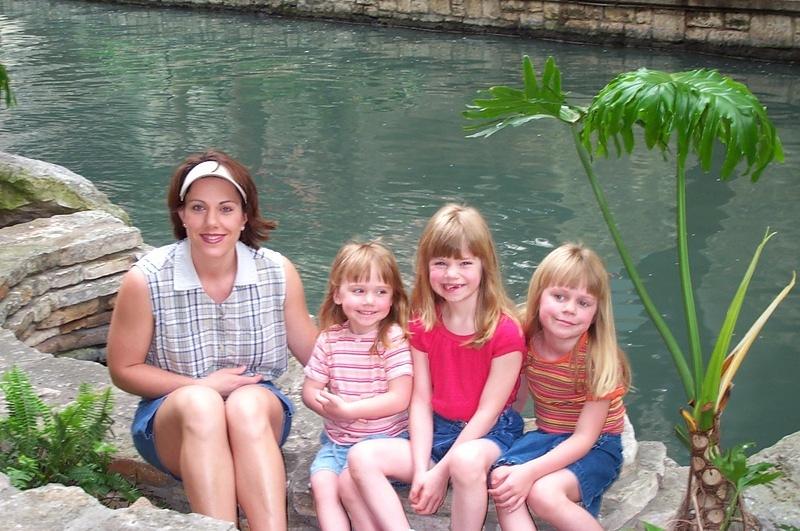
566, 313
365, 302
456, 279
213, 216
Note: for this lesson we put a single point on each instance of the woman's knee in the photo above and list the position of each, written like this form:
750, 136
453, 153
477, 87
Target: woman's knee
254, 410
198, 409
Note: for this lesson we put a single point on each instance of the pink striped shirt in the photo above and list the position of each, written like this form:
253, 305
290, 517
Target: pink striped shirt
342, 361
559, 392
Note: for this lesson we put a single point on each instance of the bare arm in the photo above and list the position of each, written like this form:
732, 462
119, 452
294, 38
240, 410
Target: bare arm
301, 331
129, 339
503, 374
420, 412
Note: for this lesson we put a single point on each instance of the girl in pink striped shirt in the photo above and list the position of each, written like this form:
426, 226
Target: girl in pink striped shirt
577, 376
359, 376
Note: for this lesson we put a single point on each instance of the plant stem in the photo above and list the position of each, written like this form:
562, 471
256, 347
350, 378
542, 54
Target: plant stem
689, 309
672, 345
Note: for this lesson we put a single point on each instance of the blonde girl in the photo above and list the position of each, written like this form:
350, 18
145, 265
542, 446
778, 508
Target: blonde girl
577, 377
359, 375
467, 353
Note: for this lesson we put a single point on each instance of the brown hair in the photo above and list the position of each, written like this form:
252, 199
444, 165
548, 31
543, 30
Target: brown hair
256, 229
451, 229
354, 263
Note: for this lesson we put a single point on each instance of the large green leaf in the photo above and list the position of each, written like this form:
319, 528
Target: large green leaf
509, 107
700, 106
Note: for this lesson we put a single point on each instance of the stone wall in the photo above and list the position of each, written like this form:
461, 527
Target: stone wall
766, 29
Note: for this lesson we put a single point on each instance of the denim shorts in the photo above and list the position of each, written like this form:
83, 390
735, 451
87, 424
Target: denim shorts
142, 427
596, 471
333, 456
506, 430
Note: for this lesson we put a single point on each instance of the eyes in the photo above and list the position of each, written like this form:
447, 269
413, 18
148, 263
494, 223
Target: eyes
381, 292
441, 263
582, 301
225, 208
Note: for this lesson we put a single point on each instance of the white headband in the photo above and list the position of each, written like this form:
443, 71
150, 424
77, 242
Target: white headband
209, 168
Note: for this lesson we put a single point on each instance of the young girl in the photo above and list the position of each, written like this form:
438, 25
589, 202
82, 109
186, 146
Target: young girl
577, 376
467, 353
359, 375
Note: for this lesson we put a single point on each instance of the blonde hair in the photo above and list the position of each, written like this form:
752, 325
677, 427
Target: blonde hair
574, 266
452, 229
354, 263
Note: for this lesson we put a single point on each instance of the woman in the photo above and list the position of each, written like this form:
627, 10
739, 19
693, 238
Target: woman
200, 328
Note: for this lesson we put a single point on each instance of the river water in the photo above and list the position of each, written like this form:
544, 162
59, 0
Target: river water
355, 132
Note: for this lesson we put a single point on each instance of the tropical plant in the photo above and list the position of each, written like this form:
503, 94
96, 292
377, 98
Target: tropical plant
700, 107
40, 444
5, 88
741, 475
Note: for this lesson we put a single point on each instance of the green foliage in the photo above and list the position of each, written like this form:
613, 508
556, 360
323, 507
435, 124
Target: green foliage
733, 465
40, 444
5, 88
699, 106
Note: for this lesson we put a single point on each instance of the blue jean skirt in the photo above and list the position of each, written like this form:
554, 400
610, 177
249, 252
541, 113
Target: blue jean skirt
142, 426
506, 430
596, 471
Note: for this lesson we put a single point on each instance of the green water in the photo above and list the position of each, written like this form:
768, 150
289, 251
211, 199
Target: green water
355, 131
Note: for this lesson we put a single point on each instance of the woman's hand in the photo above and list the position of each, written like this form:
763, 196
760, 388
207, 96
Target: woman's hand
225, 381
510, 486
428, 490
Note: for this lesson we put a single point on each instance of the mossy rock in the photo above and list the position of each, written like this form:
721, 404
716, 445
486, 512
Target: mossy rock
31, 189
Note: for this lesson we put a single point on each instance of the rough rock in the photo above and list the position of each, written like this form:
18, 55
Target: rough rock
31, 189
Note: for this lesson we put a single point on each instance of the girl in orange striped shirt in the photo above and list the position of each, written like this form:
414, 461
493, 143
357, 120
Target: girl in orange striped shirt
577, 377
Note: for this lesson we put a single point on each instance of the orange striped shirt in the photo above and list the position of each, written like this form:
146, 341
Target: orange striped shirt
559, 392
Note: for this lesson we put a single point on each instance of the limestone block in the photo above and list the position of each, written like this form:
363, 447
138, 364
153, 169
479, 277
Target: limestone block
532, 20
638, 31
697, 34
441, 7
418, 6
491, 8
551, 10
512, 6
588, 27
535, 7
644, 16
473, 9
389, 6
777, 504
611, 28
729, 38
668, 26
75, 312
31, 189
581, 11
619, 14
60, 241
737, 21
771, 30
704, 19
634, 490
85, 337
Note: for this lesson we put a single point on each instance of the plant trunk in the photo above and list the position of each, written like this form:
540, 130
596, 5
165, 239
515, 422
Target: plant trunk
709, 493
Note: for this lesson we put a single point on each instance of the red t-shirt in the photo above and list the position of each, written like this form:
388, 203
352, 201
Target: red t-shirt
459, 372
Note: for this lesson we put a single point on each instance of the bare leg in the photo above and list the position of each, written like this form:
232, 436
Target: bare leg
554, 498
330, 513
469, 465
518, 520
360, 516
255, 420
371, 464
192, 442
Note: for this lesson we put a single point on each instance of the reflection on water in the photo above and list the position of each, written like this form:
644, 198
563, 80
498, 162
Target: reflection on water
355, 131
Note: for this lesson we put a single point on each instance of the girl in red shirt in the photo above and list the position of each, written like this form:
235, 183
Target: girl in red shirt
466, 348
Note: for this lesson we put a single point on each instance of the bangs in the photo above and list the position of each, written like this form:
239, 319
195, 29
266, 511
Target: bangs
358, 266
576, 273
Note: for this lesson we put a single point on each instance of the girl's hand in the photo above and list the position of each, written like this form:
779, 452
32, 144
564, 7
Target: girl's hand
335, 408
510, 487
428, 490
225, 381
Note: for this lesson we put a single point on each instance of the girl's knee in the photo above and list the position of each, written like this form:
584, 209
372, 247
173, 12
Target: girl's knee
468, 464
545, 500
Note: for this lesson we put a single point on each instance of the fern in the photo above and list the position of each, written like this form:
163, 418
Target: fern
43, 445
